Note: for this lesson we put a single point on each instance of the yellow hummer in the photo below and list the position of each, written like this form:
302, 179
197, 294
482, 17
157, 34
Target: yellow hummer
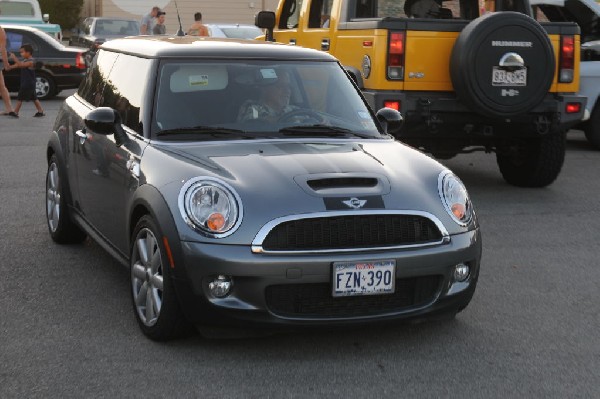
466, 74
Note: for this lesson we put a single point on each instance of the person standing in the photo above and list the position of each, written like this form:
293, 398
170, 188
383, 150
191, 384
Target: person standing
160, 28
198, 28
8, 109
27, 89
148, 21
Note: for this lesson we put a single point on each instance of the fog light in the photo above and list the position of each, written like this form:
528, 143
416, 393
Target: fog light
461, 272
221, 286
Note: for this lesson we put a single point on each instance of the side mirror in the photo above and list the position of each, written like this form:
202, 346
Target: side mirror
390, 119
266, 20
46, 18
106, 121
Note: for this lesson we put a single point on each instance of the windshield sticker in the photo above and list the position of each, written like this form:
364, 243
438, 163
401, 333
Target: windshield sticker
198, 80
268, 73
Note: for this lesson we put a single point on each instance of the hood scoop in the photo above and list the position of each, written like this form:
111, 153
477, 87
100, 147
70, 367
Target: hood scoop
342, 182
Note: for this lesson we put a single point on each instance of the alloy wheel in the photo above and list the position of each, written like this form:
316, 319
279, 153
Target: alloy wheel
53, 197
147, 277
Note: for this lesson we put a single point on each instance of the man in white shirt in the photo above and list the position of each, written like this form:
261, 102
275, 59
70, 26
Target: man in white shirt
148, 21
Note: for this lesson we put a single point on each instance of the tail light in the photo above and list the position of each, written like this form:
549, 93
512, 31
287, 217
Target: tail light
80, 61
395, 65
567, 59
573, 108
393, 104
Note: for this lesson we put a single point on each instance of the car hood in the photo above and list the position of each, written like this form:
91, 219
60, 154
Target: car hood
281, 178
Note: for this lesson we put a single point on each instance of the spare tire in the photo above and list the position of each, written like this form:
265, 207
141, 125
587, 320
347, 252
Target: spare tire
502, 64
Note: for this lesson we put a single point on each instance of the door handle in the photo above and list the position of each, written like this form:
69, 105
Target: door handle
325, 44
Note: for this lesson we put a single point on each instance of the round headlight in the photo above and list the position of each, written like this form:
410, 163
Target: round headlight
455, 197
210, 206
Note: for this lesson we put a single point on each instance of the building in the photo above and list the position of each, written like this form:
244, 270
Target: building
229, 11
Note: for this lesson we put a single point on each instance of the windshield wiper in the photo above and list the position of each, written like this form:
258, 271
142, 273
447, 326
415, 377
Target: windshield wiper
321, 130
211, 131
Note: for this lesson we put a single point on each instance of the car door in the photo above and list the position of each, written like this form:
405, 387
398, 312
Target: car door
108, 170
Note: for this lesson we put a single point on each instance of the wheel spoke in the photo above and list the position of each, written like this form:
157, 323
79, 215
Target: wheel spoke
139, 271
149, 308
150, 244
156, 303
157, 282
155, 262
141, 246
141, 296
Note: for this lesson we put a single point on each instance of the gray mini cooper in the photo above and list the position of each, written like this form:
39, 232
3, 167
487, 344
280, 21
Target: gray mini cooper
247, 184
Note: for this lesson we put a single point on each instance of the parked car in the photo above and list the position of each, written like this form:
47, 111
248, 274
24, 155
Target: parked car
28, 13
227, 213
234, 31
94, 31
586, 13
58, 67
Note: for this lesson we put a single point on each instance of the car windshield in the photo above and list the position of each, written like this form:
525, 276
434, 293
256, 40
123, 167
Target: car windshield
16, 8
259, 99
241, 32
116, 27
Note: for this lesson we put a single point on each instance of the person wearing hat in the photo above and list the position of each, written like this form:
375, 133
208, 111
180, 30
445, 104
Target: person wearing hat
160, 28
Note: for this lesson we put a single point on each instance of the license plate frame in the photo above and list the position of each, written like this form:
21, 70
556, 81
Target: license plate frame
502, 77
354, 278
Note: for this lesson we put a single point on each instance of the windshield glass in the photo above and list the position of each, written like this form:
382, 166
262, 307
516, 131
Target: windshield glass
116, 27
258, 99
16, 9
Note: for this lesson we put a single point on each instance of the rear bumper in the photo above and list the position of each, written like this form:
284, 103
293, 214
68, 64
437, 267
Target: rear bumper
442, 113
282, 291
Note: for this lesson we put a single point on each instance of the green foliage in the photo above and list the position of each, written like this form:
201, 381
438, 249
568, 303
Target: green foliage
62, 12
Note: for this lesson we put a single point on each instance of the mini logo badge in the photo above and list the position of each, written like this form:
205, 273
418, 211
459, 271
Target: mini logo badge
355, 203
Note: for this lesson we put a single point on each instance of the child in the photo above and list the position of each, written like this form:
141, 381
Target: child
27, 89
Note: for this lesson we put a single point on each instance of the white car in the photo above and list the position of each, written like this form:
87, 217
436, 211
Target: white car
586, 13
234, 31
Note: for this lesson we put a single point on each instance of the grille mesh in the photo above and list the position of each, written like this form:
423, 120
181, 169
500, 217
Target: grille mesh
351, 231
316, 300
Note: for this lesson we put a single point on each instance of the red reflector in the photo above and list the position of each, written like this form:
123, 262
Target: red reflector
392, 104
367, 43
169, 254
573, 108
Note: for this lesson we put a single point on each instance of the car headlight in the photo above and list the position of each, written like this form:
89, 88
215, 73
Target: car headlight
455, 198
210, 206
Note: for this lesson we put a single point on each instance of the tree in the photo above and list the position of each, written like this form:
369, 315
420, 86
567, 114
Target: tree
63, 12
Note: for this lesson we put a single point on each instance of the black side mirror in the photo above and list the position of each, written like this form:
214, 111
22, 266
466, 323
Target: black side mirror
390, 119
266, 20
106, 121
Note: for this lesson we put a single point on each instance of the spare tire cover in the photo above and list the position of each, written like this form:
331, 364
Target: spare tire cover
502, 64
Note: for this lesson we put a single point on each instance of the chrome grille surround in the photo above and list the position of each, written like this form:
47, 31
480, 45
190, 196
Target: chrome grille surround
257, 243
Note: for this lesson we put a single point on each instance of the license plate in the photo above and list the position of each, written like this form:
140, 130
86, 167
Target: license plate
501, 77
364, 278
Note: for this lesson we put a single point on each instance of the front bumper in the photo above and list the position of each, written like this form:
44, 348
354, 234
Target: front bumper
295, 290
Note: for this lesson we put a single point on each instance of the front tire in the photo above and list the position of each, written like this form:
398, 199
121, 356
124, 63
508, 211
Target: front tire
534, 162
61, 227
155, 304
592, 128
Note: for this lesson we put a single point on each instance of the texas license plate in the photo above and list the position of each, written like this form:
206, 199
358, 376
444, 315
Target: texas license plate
364, 278
501, 77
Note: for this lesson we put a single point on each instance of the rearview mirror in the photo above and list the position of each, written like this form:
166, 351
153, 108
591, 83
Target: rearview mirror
106, 121
46, 18
266, 20
390, 119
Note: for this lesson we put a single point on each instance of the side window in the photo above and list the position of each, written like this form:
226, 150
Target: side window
14, 41
572, 11
290, 14
320, 11
92, 88
436, 9
125, 88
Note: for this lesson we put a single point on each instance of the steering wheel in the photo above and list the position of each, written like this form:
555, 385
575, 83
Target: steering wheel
303, 113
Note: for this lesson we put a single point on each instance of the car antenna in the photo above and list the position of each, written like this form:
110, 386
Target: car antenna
180, 30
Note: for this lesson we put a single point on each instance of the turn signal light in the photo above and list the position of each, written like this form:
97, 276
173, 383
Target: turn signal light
215, 222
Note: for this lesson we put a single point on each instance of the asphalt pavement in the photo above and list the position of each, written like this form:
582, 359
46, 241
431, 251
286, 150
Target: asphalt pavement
67, 327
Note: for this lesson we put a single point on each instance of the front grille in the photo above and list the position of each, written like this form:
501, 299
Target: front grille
351, 231
316, 300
